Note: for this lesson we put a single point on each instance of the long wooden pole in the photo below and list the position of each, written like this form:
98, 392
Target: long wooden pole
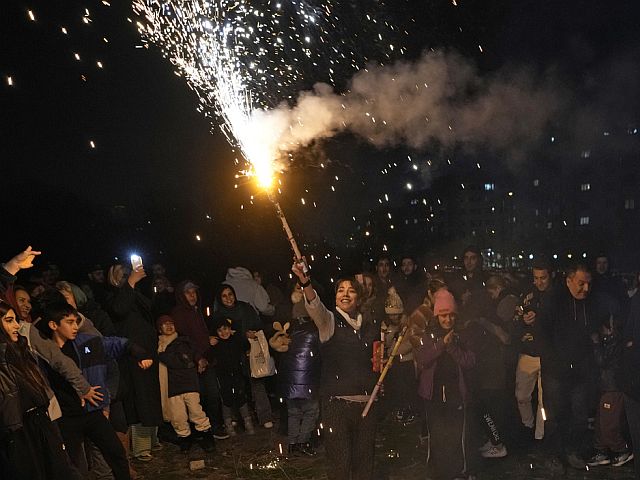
383, 374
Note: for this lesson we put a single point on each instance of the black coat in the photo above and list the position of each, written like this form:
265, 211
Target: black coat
182, 372
565, 328
139, 389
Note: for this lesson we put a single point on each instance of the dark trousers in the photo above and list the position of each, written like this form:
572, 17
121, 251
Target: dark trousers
95, 427
489, 408
401, 389
632, 409
609, 421
449, 451
210, 396
566, 404
349, 439
35, 451
302, 418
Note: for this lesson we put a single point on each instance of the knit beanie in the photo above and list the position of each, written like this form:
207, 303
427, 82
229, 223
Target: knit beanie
444, 302
393, 303
162, 320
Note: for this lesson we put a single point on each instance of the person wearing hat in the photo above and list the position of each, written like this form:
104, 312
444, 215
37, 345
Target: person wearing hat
190, 322
444, 359
179, 386
400, 383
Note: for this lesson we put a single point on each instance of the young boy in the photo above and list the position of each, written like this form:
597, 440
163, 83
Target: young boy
610, 416
80, 421
229, 352
179, 386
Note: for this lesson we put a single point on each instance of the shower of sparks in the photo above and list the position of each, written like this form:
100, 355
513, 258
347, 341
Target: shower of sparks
242, 57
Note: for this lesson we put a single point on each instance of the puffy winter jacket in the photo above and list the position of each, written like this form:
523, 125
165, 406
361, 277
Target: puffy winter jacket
299, 369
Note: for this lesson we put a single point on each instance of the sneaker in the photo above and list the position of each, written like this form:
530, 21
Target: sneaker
408, 419
599, 458
555, 466
495, 451
248, 426
144, 457
220, 433
576, 462
486, 446
620, 459
307, 449
230, 429
268, 425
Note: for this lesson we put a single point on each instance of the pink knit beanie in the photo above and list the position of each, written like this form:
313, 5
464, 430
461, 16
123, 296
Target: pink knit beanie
444, 302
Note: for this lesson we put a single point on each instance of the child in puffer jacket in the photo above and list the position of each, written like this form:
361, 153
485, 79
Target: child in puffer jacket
179, 387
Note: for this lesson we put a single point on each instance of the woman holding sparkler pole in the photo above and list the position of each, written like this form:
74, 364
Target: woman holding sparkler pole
346, 378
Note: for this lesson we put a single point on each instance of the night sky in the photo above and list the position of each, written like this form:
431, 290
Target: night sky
79, 140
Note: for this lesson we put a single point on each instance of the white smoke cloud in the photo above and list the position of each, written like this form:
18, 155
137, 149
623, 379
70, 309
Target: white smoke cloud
440, 98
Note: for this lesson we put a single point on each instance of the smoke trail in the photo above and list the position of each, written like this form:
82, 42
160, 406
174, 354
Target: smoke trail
440, 98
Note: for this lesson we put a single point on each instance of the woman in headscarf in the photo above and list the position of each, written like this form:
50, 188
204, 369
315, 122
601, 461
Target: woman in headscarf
139, 389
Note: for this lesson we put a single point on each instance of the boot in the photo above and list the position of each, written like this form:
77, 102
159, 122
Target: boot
124, 440
184, 443
248, 426
228, 425
207, 443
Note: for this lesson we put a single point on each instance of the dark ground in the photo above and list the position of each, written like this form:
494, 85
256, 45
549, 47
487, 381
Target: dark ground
399, 456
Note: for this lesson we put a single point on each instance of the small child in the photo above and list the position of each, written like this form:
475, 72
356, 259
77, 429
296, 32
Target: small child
607, 349
299, 374
229, 351
401, 383
179, 387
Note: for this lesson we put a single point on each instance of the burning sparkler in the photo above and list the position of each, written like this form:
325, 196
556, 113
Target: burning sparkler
241, 57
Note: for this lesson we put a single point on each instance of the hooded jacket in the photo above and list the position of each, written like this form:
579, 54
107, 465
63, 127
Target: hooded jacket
566, 325
247, 290
190, 322
243, 316
182, 373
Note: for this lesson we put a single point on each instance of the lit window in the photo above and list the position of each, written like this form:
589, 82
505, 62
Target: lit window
584, 220
536, 182
585, 187
489, 186
629, 204
549, 225
585, 154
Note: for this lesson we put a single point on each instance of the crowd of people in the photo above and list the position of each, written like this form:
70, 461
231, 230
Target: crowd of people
94, 371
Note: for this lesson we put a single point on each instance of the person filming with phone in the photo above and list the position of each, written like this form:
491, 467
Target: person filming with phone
132, 316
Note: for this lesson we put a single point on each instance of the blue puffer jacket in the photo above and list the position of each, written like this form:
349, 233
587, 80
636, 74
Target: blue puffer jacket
299, 370
94, 354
